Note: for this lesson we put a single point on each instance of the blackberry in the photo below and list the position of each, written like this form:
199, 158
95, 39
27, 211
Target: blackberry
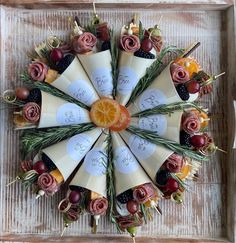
34, 96
182, 91
106, 45
48, 162
77, 188
64, 63
125, 196
143, 54
184, 138
162, 177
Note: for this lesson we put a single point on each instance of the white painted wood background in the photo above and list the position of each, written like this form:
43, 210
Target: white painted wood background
204, 213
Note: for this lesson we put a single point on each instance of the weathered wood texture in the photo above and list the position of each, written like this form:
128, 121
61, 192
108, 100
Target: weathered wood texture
204, 215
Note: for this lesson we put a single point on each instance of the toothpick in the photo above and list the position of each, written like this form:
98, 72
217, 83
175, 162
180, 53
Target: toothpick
64, 229
221, 150
159, 21
94, 9
133, 238
50, 30
16, 179
217, 76
190, 49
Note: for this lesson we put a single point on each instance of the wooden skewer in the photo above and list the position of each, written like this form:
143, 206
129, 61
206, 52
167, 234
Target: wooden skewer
94, 9
64, 229
133, 238
191, 49
217, 76
221, 150
12, 182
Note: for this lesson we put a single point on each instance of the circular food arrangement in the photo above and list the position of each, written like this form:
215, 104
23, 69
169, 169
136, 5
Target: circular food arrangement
104, 114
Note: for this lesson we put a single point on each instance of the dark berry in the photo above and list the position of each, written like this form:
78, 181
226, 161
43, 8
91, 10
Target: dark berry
162, 177
34, 96
106, 45
56, 55
143, 54
198, 141
48, 162
146, 45
40, 167
22, 93
78, 188
64, 63
125, 196
74, 197
184, 138
171, 185
182, 91
132, 206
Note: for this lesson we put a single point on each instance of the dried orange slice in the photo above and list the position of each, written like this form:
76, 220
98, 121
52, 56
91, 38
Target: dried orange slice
189, 65
123, 121
105, 112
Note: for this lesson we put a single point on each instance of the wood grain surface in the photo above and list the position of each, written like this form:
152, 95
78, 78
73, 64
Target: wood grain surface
209, 212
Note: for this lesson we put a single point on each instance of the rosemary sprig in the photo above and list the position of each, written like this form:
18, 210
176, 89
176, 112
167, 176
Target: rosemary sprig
176, 147
90, 28
34, 140
50, 89
114, 60
111, 195
168, 109
152, 72
144, 212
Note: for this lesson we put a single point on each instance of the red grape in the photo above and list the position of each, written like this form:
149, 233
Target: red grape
74, 197
56, 54
193, 87
22, 93
40, 167
197, 141
132, 206
146, 45
172, 185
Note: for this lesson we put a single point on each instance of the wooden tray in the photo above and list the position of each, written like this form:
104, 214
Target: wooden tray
209, 211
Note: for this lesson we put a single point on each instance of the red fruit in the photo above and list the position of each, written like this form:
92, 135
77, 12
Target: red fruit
132, 206
193, 87
172, 185
146, 45
40, 167
56, 54
197, 141
22, 93
74, 197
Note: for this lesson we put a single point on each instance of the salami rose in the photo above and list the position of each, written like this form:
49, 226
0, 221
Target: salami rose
31, 112
73, 214
26, 165
191, 122
130, 43
98, 206
157, 42
144, 192
48, 183
179, 74
84, 43
175, 163
37, 71
125, 222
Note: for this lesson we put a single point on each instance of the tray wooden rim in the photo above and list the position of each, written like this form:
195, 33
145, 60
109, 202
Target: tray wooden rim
229, 9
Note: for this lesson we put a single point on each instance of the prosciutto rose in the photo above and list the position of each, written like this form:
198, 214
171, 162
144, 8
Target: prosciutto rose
174, 163
179, 74
144, 193
191, 122
48, 184
84, 42
31, 112
130, 43
37, 71
98, 206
